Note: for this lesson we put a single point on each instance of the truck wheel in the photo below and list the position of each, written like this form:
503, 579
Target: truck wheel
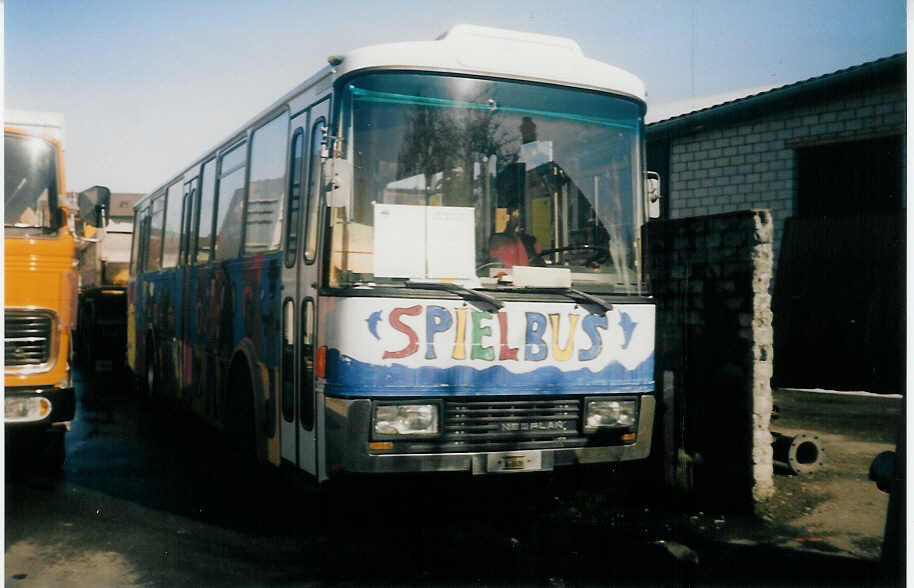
41, 452
54, 451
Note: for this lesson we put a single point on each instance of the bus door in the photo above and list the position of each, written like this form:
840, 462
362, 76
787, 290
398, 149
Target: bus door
298, 435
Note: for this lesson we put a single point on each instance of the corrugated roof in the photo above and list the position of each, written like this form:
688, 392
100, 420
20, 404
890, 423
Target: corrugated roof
880, 67
662, 112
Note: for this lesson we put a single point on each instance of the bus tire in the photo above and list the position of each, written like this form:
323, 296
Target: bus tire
239, 418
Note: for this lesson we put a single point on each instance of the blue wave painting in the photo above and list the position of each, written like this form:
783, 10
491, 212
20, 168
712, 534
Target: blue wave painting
352, 378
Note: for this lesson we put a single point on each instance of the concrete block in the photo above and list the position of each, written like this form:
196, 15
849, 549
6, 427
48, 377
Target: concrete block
762, 352
763, 335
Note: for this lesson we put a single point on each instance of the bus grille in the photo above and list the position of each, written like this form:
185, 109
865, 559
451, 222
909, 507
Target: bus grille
492, 421
27, 338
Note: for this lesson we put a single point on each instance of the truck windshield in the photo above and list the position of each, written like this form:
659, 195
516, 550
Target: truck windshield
458, 177
30, 187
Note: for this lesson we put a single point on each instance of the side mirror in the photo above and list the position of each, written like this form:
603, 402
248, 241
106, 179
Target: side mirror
652, 189
337, 174
93, 205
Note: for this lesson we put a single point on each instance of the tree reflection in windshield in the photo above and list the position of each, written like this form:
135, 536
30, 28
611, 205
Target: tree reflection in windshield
552, 174
29, 182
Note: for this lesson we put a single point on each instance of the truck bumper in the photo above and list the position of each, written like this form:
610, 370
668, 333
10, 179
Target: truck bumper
38, 408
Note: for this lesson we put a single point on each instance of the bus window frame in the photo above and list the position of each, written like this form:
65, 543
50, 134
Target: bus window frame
241, 142
307, 329
141, 232
167, 195
315, 194
134, 244
201, 176
269, 118
151, 208
287, 363
187, 221
291, 253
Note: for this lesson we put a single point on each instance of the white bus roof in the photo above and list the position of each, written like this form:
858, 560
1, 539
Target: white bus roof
501, 53
48, 124
472, 50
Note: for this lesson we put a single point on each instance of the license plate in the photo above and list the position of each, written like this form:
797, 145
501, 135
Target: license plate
521, 461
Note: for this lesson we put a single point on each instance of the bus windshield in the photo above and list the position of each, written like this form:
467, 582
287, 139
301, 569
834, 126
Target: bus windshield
30, 190
481, 175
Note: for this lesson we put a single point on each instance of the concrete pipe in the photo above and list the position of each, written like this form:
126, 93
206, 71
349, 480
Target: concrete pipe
802, 453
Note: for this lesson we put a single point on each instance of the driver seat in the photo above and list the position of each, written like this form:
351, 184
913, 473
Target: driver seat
513, 249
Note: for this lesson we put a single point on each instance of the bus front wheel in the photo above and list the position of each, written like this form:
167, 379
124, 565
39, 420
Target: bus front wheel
239, 419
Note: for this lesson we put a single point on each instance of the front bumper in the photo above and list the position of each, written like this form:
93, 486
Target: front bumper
63, 407
348, 426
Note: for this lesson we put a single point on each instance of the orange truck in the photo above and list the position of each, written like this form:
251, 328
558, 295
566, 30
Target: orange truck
40, 289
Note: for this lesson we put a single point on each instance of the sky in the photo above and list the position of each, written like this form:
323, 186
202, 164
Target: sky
145, 87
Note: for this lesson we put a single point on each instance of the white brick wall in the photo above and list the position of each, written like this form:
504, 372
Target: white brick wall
752, 164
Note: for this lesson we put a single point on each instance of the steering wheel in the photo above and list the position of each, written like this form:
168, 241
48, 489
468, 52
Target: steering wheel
601, 254
487, 265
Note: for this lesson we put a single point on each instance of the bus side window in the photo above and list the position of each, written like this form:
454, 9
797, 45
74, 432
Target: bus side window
288, 360
266, 186
314, 193
141, 240
173, 209
307, 364
153, 252
190, 196
207, 201
135, 243
293, 206
230, 202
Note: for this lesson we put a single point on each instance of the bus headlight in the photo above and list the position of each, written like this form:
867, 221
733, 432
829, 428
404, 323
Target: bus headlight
24, 410
398, 420
609, 413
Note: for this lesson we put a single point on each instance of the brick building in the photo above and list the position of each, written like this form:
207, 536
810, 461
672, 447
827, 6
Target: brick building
763, 150
827, 157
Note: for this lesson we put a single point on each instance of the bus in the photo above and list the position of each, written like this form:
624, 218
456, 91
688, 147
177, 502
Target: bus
40, 289
427, 257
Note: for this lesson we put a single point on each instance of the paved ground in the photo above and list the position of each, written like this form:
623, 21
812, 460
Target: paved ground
148, 498
836, 508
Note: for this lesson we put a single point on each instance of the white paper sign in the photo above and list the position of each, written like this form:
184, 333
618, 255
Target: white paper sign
399, 237
451, 242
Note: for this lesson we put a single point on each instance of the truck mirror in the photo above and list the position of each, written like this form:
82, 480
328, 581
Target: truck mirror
652, 188
93, 205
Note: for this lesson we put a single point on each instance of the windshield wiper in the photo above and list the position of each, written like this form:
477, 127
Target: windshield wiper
457, 289
576, 294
